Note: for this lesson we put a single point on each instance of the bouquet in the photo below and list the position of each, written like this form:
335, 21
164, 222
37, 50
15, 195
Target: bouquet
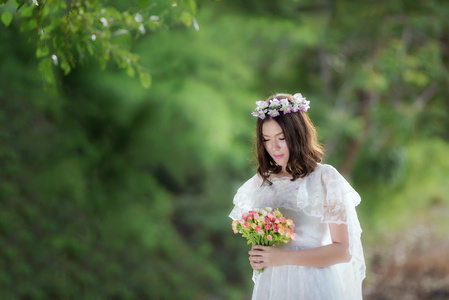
265, 227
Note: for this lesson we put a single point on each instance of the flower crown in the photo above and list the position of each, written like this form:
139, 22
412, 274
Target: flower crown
274, 106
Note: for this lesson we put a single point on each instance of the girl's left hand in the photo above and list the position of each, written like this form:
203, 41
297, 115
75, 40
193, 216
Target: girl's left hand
265, 256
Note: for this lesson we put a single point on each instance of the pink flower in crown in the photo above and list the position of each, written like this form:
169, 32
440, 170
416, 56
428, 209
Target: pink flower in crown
257, 228
260, 231
287, 110
267, 227
286, 107
261, 104
260, 113
303, 108
295, 107
298, 97
273, 113
269, 237
285, 103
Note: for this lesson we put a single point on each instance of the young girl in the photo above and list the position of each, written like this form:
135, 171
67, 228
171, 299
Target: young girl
326, 261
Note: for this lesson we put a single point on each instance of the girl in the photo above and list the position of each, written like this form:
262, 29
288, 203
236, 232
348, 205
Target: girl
326, 261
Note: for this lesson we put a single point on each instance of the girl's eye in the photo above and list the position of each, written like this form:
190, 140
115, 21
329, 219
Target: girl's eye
265, 140
282, 138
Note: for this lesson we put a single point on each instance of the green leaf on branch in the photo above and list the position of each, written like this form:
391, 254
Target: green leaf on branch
46, 68
145, 78
20, 4
130, 71
186, 18
6, 18
143, 3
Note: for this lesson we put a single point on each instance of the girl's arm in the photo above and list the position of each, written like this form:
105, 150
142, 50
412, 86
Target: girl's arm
324, 256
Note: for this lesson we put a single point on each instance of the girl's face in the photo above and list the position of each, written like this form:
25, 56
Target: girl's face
275, 143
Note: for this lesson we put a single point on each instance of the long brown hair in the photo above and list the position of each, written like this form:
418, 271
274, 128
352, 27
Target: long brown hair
303, 146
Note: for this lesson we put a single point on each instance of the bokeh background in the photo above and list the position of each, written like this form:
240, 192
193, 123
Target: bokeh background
125, 131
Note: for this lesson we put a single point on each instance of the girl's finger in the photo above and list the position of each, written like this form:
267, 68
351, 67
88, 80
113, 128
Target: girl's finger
258, 247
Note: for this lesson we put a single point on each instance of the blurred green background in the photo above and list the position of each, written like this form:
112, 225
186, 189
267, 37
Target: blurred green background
125, 131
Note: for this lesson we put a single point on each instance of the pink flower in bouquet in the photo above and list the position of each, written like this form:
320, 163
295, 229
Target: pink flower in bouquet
269, 237
257, 228
282, 220
246, 224
270, 215
275, 228
260, 231
256, 215
267, 227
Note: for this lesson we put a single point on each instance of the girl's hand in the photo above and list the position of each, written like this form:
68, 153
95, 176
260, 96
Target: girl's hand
266, 256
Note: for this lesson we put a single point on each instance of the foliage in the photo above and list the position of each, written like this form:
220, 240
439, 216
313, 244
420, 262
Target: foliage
64, 33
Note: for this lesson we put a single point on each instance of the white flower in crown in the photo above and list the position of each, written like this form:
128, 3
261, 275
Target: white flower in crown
275, 103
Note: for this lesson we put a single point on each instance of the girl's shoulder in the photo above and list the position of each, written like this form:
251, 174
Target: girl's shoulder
253, 182
324, 171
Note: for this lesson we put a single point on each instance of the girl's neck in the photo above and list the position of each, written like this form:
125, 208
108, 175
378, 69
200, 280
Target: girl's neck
283, 173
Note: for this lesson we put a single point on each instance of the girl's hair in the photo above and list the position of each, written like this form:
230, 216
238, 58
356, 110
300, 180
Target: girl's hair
303, 146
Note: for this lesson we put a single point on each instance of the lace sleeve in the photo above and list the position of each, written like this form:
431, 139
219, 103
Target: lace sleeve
331, 198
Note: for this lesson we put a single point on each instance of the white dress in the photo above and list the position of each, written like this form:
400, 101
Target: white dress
312, 203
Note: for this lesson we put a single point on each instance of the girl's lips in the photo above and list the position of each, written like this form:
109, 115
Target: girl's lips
278, 156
